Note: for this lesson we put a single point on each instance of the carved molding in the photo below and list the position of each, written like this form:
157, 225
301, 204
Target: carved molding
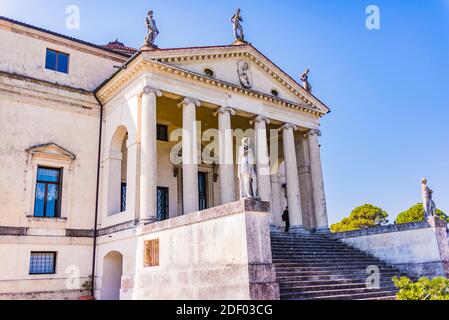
148, 90
224, 110
51, 150
260, 119
287, 126
188, 100
313, 133
108, 92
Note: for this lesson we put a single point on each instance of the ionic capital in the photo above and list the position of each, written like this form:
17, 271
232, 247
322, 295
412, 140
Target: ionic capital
259, 119
313, 132
187, 101
148, 90
288, 126
224, 110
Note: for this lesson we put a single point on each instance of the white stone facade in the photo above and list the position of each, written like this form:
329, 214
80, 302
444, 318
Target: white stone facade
53, 119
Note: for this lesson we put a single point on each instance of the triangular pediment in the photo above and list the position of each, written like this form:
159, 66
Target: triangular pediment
226, 62
51, 150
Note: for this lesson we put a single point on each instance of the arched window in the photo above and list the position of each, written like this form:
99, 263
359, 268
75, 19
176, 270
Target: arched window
116, 164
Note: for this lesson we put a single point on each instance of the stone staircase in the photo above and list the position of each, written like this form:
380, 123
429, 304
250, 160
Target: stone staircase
316, 267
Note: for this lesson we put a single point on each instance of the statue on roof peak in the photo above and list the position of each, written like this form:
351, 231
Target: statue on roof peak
152, 30
237, 24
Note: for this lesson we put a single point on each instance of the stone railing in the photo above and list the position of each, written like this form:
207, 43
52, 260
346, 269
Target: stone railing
419, 249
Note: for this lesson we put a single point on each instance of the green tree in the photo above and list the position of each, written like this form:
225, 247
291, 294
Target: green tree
416, 214
423, 289
366, 216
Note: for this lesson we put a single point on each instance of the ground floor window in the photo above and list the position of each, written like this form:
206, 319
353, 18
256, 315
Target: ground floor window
48, 192
162, 203
43, 263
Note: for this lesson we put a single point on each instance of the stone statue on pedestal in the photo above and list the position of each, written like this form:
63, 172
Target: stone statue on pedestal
305, 81
152, 30
247, 171
429, 206
238, 29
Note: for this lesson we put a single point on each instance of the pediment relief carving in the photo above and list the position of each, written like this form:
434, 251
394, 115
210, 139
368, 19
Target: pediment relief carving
52, 151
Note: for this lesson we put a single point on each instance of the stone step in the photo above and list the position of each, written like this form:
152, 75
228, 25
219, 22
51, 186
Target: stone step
330, 274
289, 281
361, 292
302, 266
314, 266
324, 248
333, 287
380, 295
330, 260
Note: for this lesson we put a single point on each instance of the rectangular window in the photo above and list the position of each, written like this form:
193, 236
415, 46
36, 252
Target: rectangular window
48, 193
123, 197
162, 203
57, 61
43, 263
162, 132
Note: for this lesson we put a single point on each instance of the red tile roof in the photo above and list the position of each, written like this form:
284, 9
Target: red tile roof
119, 47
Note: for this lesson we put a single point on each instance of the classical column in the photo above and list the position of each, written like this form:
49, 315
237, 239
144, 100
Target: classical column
148, 157
291, 174
319, 198
226, 146
262, 159
189, 155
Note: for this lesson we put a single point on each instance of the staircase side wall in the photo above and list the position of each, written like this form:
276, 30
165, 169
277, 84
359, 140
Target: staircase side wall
222, 253
419, 249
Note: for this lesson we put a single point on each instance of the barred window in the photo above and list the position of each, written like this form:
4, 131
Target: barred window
43, 263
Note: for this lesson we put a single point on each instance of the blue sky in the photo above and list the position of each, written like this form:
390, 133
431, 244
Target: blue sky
388, 89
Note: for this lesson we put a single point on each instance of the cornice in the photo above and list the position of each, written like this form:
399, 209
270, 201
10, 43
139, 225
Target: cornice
242, 51
137, 67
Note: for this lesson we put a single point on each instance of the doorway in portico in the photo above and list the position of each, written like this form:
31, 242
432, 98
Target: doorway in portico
203, 190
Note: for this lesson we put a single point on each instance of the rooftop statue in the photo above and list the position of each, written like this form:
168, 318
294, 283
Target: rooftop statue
152, 30
429, 206
247, 171
305, 81
238, 29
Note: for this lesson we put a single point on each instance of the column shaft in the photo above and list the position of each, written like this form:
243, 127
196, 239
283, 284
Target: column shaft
226, 146
291, 173
189, 156
319, 198
262, 160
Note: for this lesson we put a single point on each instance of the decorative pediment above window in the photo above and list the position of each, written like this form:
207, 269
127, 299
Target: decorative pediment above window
51, 151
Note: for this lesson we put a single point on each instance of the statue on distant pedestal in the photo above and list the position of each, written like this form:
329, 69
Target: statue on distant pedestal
305, 81
238, 29
152, 30
247, 171
429, 206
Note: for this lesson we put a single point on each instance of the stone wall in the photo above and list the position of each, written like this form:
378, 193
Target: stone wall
419, 249
220, 253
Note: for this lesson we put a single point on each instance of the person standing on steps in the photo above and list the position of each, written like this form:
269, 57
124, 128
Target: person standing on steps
286, 219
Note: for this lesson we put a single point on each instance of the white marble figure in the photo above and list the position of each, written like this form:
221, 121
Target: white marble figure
237, 26
245, 74
429, 205
247, 171
305, 81
152, 30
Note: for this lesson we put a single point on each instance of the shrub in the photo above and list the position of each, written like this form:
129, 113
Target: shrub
416, 214
366, 216
423, 289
